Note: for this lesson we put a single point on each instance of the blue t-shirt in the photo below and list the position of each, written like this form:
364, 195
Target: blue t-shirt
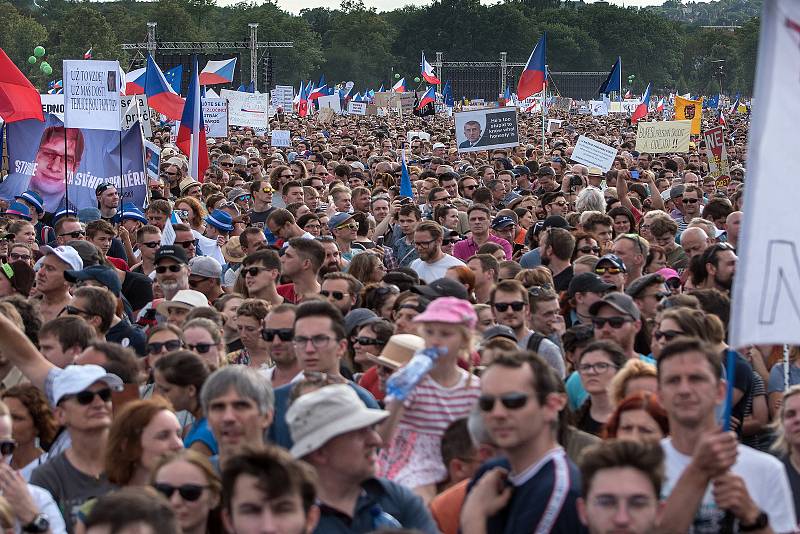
775, 384
278, 432
200, 431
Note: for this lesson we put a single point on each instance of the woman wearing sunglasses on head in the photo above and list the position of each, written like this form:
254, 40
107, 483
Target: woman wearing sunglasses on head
192, 487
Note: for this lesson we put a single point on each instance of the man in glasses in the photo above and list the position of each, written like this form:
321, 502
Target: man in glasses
344, 229
68, 229
81, 395
468, 185
261, 271
689, 204
584, 290
184, 238
632, 249
172, 270
617, 318
261, 193
278, 333
432, 263
341, 290
534, 484
612, 270
148, 239
50, 282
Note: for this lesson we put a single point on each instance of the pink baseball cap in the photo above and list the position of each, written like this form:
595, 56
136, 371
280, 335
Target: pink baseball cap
448, 310
668, 273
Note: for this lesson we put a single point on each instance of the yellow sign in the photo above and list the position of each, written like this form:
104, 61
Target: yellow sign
664, 136
689, 110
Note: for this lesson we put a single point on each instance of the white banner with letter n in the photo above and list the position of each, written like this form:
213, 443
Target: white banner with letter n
765, 307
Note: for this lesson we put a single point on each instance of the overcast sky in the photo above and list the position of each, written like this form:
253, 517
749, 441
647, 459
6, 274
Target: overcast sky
294, 6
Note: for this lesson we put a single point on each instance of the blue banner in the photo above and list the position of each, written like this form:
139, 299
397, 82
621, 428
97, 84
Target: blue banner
37, 160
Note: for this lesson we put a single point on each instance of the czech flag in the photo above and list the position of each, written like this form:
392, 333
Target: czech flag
19, 99
641, 110
628, 94
134, 82
192, 132
318, 92
428, 98
400, 86
88, 54
534, 77
427, 72
160, 95
216, 72
722, 121
660, 105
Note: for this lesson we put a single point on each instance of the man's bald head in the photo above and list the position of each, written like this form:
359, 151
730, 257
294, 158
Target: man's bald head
694, 241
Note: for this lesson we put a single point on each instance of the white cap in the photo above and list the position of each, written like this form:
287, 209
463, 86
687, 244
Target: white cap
185, 298
438, 145
357, 165
317, 417
76, 378
65, 253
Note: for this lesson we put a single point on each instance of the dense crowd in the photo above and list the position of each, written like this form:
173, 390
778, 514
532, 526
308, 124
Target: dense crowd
290, 345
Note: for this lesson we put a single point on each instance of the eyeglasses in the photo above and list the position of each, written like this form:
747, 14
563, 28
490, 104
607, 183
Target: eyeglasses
595, 368
424, 244
609, 270
161, 269
658, 296
86, 397
351, 226
691, 200
188, 492
337, 295
72, 310
7, 447
156, 347
226, 164
441, 199
187, 244
151, 244
284, 334
319, 341
368, 341
200, 348
667, 335
253, 271
16, 257
538, 291
503, 306
589, 250
560, 203
511, 401
74, 235
252, 165
615, 322
165, 173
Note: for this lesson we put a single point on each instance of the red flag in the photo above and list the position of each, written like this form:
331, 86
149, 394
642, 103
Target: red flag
19, 99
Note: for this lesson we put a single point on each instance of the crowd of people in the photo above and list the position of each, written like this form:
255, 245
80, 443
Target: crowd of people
222, 360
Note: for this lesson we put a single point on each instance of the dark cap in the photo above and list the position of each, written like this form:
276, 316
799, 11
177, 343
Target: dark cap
358, 317
615, 260
521, 170
620, 302
546, 171
502, 221
676, 191
402, 280
100, 189
553, 221
100, 273
441, 287
587, 283
172, 252
642, 283
499, 330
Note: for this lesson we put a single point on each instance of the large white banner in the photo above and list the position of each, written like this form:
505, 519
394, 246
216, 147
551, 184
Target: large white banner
766, 290
91, 94
247, 109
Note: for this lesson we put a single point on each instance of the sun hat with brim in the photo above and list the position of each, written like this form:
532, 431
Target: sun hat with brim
76, 378
232, 251
185, 298
186, 183
317, 417
450, 310
398, 351
34, 199
20, 210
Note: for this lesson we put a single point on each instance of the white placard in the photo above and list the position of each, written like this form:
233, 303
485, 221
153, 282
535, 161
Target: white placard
53, 104
599, 107
553, 124
91, 94
247, 109
283, 97
281, 138
135, 108
486, 129
215, 117
421, 135
357, 108
331, 102
593, 154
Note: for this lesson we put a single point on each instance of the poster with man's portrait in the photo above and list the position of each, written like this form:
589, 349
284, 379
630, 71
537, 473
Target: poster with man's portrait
486, 129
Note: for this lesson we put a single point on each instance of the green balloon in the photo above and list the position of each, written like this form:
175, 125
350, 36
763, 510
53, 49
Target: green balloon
31, 60
44, 65
48, 70
397, 76
416, 79
38, 51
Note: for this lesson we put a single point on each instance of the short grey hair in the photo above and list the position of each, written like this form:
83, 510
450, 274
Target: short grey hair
247, 382
590, 199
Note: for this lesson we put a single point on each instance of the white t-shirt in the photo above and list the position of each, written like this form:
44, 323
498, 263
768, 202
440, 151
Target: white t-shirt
764, 476
433, 271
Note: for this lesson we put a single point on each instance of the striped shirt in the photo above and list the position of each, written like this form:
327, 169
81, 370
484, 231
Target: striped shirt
431, 407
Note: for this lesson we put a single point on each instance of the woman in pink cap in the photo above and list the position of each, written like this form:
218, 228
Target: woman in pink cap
413, 433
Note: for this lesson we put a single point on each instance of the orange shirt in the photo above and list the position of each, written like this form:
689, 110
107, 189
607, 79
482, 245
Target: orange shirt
446, 507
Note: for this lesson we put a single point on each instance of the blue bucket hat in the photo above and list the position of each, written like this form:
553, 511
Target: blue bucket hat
34, 199
130, 211
20, 210
220, 220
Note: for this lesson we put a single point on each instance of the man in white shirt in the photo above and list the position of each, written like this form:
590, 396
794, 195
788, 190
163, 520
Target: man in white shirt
432, 263
711, 480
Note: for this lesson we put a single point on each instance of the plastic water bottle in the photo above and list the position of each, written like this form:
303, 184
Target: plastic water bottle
381, 519
403, 382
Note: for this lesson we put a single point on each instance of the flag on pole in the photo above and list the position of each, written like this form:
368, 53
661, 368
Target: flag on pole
19, 99
405, 178
427, 72
192, 132
134, 81
722, 121
160, 95
613, 80
88, 53
381, 90
321, 90
428, 98
216, 72
534, 78
660, 105
175, 78
644, 105
447, 95
400, 86
302, 106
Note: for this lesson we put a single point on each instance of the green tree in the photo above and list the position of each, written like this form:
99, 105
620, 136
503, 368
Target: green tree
20, 35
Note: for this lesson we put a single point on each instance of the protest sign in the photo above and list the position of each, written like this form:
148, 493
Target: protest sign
152, 159
134, 108
325, 116
37, 154
419, 135
215, 117
357, 108
331, 102
717, 156
53, 104
553, 125
593, 153
615, 107
283, 98
91, 94
247, 109
486, 129
665, 136
629, 105
407, 101
561, 103
386, 100
281, 138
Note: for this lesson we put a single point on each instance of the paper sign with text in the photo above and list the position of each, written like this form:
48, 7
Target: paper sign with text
717, 155
135, 108
486, 129
91, 94
281, 138
283, 97
331, 102
593, 153
663, 136
357, 108
247, 109
215, 117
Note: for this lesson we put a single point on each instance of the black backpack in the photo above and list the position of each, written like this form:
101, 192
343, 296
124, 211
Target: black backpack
535, 341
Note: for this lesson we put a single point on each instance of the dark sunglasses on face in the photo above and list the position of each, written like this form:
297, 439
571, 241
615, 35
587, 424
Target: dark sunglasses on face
285, 334
666, 335
589, 250
7, 447
187, 244
156, 347
72, 310
337, 295
673, 283
615, 322
151, 244
188, 492
252, 271
16, 257
503, 306
161, 269
367, 341
691, 200
74, 235
85, 398
511, 401
200, 348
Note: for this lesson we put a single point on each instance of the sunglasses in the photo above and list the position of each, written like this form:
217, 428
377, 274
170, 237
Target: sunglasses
511, 401
691, 200
74, 235
667, 335
226, 164
187, 244
16, 257
252, 165
673, 283
156, 347
7, 447
151, 244
85, 398
351, 226
615, 322
285, 334
337, 295
72, 310
267, 190
161, 269
368, 341
243, 198
609, 270
188, 492
253, 271
200, 348
589, 250
503, 306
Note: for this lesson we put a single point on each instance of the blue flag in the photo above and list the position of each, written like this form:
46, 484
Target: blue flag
174, 77
711, 102
613, 80
447, 95
405, 179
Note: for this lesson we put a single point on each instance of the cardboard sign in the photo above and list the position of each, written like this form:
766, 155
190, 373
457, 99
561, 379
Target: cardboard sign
91, 94
281, 138
599, 108
486, 129
135, 108
717, 155
215, 117
420, 135
357, 108
593, 153
330, 102
665, 136
561, 103
553, 125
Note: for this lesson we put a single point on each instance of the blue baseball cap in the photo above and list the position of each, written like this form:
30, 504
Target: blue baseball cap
221, 220
502, 221
339, 219
101, 273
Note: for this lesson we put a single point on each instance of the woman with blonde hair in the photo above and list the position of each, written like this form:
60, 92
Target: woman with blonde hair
635, 376
787, 440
